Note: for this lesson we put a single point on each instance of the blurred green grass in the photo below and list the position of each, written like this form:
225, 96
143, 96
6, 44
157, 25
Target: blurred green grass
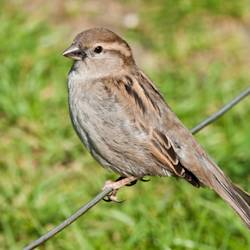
200, 54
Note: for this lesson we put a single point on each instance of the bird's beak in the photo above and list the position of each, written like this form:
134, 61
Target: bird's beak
74, 52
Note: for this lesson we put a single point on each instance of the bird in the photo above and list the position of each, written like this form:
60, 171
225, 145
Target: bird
125, 123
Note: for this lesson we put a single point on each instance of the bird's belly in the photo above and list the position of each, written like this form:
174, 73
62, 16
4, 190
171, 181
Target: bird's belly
112, 139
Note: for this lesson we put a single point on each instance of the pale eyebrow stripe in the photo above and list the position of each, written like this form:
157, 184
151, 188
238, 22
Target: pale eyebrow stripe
116, 46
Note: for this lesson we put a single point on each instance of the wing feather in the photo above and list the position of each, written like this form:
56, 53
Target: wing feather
148, 109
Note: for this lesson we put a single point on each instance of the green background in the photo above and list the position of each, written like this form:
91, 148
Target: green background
197, 52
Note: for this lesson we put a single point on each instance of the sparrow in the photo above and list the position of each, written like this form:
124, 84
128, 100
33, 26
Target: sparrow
125, 123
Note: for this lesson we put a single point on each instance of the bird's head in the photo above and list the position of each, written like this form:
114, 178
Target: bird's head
100, 48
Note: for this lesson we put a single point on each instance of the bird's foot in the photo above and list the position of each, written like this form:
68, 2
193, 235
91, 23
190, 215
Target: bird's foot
116, 185
144, 180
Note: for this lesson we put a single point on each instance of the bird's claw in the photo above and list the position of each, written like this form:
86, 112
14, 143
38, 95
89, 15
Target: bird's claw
122, 181
112, 197
132, 183
144, 180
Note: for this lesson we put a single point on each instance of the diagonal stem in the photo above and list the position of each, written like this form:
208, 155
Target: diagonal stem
69, 220
221, 111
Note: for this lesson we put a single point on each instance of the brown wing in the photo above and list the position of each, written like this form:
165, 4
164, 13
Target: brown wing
163, 152
149, 108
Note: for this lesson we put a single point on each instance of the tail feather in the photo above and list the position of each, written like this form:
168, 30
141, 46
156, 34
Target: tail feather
245, 195
238, 199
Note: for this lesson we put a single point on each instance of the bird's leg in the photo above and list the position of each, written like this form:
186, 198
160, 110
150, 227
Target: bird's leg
116, 185
132, 183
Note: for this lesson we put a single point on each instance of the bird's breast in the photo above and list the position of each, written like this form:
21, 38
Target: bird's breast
95, 112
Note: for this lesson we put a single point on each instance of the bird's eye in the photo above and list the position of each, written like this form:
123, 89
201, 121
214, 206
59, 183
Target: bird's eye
98, 49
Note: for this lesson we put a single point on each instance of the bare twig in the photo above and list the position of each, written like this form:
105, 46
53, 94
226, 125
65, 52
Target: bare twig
69, 220
106, 191
221, 111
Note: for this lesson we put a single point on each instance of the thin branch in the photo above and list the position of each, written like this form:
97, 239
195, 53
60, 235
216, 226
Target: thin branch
106, 191
69, 220
221, 111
